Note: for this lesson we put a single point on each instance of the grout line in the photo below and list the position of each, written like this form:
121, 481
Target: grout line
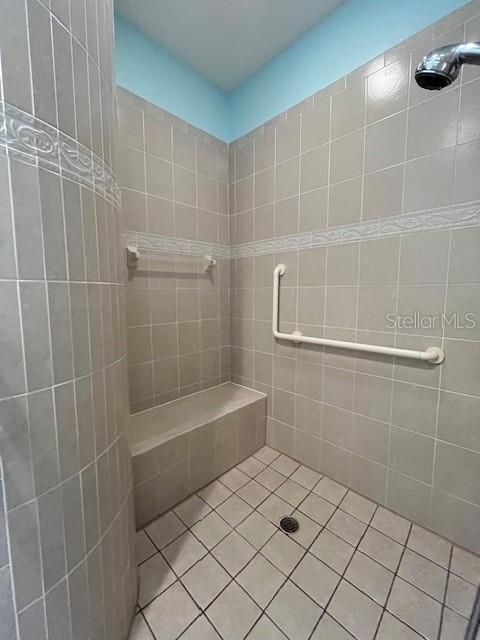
391, 585
355, 360
148, 283
356, 548
445, 591
440, 376
305, 550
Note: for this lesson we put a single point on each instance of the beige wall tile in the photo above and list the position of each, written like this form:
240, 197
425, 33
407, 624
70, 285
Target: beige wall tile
463, 368
168, 300
348, 110
313, 208
311, 266
375, 303
184, 149
463, 432
140, 381
207, 193
160, 216
424, 263
286, 216
346, 156
412, 454
375, 364
468, 125
284, 406
369, 478
284, 373
463, 266
338, 388
429, 181
288, 139
337, 422
409, 497
385, 142
185, 188
207, 161
341, 307
457, 471
345, 206
342, 264
159, 181
383, 193
370, 439
387, 90
308, 415
158, 137
366, 420
286, 178
162, 306
432, 125
164, 341
314, 168
265, 151
422, 373
455, 519
335, 462
264, 187
311, 305
264, 222
263, 368
415, 408
309, 380
134, 209
307, 447
463, 300
139, 345
316, 126
379, 261
131, 168
244, 161
372, 396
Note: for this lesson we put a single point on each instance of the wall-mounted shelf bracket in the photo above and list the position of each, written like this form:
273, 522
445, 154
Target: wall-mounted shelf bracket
133, 256
208, 263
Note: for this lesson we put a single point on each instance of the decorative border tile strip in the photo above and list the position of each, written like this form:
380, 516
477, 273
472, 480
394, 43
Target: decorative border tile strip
35, 142
174, 245
433, 220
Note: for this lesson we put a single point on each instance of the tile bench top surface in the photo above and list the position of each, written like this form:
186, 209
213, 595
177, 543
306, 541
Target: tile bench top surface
158, 424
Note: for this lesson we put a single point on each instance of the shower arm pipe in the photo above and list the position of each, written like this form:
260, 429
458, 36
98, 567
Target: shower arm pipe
467, 52
432, 354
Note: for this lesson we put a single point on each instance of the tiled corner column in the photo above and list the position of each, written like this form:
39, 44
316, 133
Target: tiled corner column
368, 191
67, 525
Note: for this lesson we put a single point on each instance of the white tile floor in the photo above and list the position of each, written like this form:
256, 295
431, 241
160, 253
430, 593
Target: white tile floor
217, 566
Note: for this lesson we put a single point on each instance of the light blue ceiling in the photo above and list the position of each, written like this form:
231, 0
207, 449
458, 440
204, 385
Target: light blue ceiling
225, 40
355, 32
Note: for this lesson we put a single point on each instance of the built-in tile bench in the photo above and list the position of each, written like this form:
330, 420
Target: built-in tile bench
180, 446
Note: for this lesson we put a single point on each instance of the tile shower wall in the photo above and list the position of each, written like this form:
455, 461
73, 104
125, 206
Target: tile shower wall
371, 146
174, 189
66, 516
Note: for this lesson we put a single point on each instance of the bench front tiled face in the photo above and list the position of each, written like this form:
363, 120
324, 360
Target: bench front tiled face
180, 447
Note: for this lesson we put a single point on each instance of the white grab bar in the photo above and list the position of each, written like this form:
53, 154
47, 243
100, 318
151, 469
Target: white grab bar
432, 354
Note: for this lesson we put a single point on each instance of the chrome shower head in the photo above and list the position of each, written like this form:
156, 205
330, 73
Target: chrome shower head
441, 67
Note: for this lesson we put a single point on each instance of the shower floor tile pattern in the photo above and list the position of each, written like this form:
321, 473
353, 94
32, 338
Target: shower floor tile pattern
218, 567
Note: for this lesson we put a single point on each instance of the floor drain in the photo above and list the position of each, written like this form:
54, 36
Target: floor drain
289, 524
